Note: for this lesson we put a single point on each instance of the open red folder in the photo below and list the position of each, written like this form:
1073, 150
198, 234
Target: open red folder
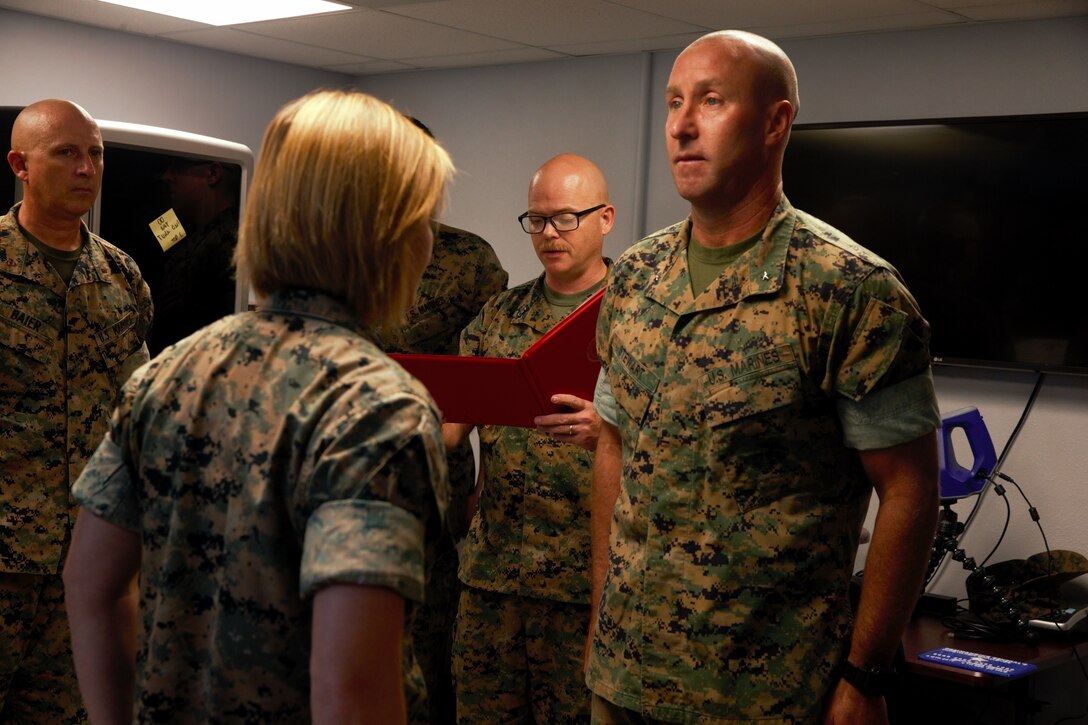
513, 391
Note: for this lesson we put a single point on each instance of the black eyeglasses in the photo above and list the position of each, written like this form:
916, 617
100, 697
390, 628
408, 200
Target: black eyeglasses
566, 221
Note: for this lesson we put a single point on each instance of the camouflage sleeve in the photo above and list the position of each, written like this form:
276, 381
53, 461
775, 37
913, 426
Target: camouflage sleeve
491, 278
377, 479
373, 543
487, 279
604, 402
878, 339
892, 415
105, 488
133, 362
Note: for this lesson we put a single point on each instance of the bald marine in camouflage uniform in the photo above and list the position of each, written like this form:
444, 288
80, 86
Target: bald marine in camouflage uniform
521, 624
762, 375
271, 478
463, 273
74, 314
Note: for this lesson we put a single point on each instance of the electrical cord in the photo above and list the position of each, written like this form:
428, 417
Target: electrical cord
1034, 517
967, 625
952, 544
1007, 448
1000, 491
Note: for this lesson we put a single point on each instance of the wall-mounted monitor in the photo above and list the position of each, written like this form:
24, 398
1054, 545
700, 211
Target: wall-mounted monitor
170, 199
982, 218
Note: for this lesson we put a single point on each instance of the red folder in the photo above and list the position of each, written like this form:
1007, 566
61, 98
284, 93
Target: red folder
513, 391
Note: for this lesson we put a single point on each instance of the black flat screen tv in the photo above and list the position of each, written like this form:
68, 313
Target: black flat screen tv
983, 217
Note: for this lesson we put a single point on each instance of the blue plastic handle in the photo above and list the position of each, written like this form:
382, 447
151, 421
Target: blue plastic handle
956, 480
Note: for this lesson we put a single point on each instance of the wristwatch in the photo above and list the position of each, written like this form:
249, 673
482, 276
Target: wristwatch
869, 681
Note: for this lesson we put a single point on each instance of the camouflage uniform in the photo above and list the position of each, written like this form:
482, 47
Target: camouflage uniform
65, 351
735, 530
269, 455
463, 273
529, 541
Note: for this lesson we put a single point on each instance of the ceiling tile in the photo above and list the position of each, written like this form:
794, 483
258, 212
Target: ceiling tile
262, 46
546, 23
494, 57
1016, 10
372, 67
634, 45
861, 25
377, 34
717, 15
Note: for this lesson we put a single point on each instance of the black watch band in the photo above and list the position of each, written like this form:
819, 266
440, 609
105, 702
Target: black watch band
869, 681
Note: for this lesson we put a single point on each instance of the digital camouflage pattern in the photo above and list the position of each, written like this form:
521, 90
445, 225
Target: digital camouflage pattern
64, 354
65, 351
530, 537
271, 454
735, 530
37, 674
463, 274
498, 637
1008, 592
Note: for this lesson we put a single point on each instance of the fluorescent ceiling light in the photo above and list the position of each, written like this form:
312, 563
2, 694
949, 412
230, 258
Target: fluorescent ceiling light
232, 12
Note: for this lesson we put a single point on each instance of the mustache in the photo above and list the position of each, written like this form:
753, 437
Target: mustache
552, 248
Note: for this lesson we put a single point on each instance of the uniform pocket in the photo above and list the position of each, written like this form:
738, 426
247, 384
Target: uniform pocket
634, 387
750, 424
119, 341
22, 340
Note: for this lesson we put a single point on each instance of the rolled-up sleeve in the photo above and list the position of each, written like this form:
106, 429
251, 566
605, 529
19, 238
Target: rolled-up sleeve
367, 542
887, 417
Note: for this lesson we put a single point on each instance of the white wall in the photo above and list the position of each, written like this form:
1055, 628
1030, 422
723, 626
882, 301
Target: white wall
131, 78
501, 123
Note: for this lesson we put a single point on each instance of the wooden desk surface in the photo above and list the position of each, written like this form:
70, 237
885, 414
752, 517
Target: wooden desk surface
925, 633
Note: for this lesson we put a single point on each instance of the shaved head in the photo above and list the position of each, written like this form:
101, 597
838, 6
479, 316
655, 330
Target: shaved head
57, 155
569, 185
774, 75
576, 172
34, 122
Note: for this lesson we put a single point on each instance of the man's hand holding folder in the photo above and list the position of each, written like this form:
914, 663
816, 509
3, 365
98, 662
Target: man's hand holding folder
547, 387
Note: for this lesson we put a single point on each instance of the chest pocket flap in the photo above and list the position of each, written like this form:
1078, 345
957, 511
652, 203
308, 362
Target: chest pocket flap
17, 335
119, 341
634, 386
760, 383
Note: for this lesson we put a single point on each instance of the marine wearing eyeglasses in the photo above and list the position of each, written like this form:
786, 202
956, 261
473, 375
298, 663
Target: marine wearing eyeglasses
566, 221
523, 613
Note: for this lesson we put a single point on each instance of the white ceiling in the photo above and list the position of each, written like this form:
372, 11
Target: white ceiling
387, 36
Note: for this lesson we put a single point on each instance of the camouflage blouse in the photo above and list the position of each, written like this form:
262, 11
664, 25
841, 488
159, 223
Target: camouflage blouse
65, 352
531, 534
266, 456
737, 523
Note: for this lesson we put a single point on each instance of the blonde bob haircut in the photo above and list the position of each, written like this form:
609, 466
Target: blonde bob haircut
342, 182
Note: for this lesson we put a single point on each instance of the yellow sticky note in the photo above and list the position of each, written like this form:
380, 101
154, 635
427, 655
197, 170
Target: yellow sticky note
167, 229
